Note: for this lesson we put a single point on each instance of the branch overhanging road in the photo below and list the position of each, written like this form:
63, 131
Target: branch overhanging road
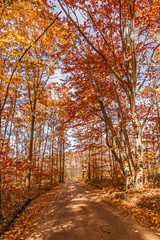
77, 213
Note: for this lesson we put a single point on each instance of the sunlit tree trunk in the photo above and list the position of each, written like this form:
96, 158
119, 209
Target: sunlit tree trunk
101, 155
89, 164
60, 158
63, 158
33, 109
52, 160
135, 121
1, 216
42, 160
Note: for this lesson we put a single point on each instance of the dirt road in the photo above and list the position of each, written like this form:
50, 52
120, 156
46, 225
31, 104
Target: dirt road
79, 214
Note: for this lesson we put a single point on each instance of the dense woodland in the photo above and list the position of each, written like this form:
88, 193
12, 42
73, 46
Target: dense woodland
101, 117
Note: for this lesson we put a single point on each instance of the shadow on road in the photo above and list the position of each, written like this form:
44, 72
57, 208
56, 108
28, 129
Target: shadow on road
80, 214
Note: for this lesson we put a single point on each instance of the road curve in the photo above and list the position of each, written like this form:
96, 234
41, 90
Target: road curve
79, 214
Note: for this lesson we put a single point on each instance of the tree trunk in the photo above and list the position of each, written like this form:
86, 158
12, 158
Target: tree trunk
28, 178
42, 161
138, 153
63, 159
52, 161
1, 216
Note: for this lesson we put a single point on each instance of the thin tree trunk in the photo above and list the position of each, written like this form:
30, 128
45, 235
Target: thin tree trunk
42, 161
52, 161
33, 111
28, 179
60, 160
63, 157
1, 216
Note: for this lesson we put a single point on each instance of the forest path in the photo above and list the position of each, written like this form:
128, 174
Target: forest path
77, 213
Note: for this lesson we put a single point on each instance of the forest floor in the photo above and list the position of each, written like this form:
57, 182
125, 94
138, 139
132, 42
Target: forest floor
77, 211
144, 206
15, 202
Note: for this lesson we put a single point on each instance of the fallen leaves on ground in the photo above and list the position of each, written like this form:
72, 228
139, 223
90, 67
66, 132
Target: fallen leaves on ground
146, 208
151, 202
30, 216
